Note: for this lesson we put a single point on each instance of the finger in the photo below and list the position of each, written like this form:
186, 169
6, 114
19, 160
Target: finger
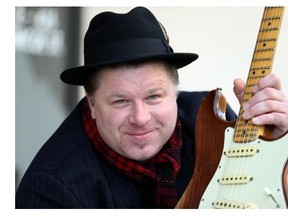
271, 80
265, 107
239, 86
276, 119
265, 94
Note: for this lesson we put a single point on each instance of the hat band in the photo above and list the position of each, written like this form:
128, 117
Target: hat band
126, 50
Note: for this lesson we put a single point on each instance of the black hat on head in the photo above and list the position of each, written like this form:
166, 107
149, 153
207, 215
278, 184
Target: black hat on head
122, 38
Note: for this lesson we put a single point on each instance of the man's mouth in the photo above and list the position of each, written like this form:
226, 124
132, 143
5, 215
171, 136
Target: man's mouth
140, 136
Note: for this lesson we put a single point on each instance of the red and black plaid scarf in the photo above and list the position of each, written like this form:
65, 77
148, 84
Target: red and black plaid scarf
160, 171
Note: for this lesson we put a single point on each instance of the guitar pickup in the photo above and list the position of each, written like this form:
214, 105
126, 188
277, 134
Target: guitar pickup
227, 204
241, 152
235, 179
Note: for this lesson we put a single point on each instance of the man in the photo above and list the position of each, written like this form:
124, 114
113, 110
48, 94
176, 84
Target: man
130, 142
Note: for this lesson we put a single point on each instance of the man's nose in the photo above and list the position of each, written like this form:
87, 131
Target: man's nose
140, 114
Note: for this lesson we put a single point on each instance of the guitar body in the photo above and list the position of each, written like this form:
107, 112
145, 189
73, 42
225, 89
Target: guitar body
214, 137
209, 138
236, 165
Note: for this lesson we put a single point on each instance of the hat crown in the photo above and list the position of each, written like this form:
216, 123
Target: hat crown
114, 38
109, 27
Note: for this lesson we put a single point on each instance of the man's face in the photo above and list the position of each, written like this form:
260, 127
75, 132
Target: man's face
135, 109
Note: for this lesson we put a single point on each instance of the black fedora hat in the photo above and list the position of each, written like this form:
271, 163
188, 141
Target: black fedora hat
122, 38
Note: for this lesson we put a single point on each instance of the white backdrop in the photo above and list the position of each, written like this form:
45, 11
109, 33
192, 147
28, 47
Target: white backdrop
224, 38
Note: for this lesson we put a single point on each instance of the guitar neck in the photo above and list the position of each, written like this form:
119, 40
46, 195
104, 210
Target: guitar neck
261, 66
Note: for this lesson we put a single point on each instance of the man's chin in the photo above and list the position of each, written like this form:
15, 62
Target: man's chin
143, 152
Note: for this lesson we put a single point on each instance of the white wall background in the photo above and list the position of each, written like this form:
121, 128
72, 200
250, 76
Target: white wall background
224, 38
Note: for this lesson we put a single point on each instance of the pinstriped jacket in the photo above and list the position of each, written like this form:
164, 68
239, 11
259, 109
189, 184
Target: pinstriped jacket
68, 173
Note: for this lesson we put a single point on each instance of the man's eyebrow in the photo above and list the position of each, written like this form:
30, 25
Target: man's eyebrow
156, 89
116, 94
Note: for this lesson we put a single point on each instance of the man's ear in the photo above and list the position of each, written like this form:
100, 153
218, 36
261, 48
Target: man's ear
90, 100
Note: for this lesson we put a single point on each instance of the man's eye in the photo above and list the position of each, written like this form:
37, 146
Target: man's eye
122, 101
153, 97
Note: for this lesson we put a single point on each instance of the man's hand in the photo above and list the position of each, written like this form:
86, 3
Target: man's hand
268, 106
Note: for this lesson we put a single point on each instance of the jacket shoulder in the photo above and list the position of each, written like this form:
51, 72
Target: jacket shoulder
188, 106
66, 166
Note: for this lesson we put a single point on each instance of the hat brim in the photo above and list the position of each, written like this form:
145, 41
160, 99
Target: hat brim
77, 75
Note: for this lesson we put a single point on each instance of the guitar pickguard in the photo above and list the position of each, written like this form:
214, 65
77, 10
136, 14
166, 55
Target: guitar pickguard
248, 175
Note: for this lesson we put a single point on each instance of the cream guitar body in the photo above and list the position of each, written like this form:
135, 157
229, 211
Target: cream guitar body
248, 175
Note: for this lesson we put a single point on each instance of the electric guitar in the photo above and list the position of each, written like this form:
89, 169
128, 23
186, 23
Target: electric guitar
250, 170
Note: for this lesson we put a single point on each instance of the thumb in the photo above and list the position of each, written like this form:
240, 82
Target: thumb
239, 87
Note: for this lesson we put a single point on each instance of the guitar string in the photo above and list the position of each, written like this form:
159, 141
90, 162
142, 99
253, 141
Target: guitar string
241, 164
262, 55
229, 192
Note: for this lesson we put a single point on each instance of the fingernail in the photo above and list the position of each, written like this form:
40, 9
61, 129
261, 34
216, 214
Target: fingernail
246, 115
256, 120
255, 89
246, 106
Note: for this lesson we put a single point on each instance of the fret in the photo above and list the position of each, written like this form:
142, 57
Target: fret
247, 126
256, 78
260, 68
245, 130
274, 8
262, 59
251, 85
269, 29
272, 18
266, 40
265, 50
249, 92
